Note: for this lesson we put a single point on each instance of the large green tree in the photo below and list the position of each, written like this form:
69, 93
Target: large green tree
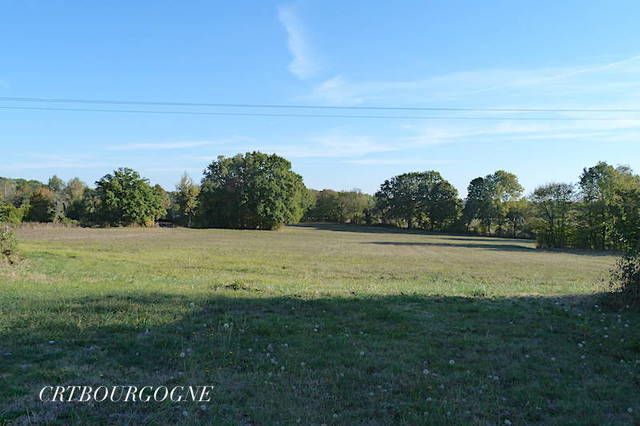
124, 198
251, 191
419, 198
488, 199
598, 187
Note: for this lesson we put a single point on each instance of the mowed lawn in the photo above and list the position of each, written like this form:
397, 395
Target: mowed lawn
317, 324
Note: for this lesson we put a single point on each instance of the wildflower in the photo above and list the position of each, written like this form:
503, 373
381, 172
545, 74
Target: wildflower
451, 362
182, 354
507, 421
184, 413
361, 353
226, 325
629, 410
425, 371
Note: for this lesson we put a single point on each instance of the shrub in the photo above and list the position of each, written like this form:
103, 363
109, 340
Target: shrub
625, 279
8, 244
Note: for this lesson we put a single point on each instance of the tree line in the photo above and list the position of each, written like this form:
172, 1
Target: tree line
260, 191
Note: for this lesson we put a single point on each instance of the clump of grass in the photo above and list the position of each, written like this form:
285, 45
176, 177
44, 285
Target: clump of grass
8, 245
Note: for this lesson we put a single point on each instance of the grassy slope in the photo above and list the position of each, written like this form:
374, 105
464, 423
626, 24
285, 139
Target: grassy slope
338, 325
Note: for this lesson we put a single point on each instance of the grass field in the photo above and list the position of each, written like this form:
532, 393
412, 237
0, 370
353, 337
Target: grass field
315, 325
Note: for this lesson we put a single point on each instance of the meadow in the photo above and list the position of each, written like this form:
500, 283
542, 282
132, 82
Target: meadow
315, 324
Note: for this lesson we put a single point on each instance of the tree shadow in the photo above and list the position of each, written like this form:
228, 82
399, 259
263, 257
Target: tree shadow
336, 360
500, 247
388, 229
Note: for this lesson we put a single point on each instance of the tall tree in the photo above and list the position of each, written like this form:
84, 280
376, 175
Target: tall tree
554, 202
488, 197
73, 194
597, 185
187, 199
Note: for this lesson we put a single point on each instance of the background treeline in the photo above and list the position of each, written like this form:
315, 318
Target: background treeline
259, 191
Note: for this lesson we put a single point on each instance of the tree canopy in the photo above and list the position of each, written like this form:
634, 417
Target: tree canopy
124, 198
251, 191
419, 198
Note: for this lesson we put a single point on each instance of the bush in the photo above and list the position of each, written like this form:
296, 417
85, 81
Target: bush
625, 280
8, 244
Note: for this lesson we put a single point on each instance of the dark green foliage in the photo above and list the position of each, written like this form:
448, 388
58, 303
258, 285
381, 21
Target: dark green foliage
42, 206
251, 191
598, 187
554, 202
124, 198
489, 200
8, 244
625, 279
422, 199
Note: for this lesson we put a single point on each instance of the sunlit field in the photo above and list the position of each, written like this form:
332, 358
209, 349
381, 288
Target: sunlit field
315, 324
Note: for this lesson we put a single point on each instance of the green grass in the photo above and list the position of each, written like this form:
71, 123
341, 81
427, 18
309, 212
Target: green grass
324, 325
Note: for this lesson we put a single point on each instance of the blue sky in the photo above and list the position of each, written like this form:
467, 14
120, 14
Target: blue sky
495, 54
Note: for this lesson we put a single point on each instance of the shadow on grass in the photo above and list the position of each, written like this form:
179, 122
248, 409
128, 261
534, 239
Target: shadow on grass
484, 246
367, 360
384, 229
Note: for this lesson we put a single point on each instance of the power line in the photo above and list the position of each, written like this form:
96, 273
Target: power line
284, 106
256, 114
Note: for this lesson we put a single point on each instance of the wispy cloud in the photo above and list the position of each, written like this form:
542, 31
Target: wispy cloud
303, 64
331, 145
398, 162
36, 165
615, 83
153, 146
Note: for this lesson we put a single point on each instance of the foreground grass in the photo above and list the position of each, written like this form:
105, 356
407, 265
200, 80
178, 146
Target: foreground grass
326, 324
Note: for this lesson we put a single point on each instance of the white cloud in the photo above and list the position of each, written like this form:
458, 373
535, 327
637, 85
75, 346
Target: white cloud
152, 146
303, 64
